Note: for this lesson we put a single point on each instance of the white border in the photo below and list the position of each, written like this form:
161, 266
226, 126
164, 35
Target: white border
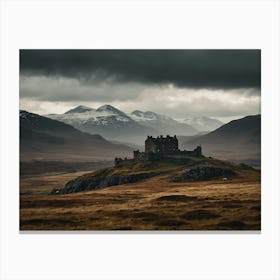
156, 24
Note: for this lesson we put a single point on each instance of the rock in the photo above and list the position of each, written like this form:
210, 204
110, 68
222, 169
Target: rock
79, 184
204, 173
55, 191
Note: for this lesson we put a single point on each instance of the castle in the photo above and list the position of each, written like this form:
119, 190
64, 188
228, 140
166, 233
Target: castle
161, 144
159, 147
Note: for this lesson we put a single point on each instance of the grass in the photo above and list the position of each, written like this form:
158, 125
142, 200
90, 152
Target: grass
173, 165
152, 204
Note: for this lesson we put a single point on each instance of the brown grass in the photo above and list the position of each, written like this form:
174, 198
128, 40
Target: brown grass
152, 204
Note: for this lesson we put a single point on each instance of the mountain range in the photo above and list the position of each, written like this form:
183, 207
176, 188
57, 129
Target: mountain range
238, 140
107, 121
44, 138
114, 124
47, 138
203, 124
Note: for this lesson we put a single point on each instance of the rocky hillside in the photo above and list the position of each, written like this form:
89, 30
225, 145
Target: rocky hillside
172, 168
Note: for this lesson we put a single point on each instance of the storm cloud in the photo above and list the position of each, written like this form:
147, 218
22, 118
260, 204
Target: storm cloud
212, 69
179, 83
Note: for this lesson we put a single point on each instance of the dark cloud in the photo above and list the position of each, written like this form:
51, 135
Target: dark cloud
214, 69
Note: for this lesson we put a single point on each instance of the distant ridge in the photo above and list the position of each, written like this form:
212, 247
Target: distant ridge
236, 140
203, 123
162, 124
44, 138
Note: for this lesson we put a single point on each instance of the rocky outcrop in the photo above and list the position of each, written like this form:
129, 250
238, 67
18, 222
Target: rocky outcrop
204, 173
99, 182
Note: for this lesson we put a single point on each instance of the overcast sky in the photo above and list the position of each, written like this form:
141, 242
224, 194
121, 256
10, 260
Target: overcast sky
223, 84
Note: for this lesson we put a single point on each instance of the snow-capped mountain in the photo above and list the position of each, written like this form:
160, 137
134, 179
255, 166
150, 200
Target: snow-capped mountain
203, 123
108, 109
44, 138
148, 116
114, 124
107, 121
161, 123
79, 109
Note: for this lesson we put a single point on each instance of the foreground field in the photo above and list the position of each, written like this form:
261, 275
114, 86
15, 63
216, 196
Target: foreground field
152, 204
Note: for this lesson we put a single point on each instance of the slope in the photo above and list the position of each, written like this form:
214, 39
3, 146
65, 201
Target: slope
44, 138
237, 140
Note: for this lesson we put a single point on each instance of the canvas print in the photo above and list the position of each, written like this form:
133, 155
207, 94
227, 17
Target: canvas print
140, 140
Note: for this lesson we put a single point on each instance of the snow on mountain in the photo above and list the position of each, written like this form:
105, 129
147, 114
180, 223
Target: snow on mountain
80, 115
203, 123
114, 124
161, 123
24, 115
79, 109
45, 138
108, 109
107, 121
148, 116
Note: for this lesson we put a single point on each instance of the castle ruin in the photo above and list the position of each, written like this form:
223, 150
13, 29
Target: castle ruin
161, 144
159, 147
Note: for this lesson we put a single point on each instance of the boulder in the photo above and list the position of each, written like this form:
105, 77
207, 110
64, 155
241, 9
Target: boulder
204, 173
98, 182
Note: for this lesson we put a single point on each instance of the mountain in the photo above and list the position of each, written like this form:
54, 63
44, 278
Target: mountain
108, 109
45, 138
161, 123
107, 121
203, 123
79, 109
238, 140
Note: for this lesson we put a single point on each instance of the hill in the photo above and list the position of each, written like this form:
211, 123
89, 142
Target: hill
172, 168
238, 140
44, 138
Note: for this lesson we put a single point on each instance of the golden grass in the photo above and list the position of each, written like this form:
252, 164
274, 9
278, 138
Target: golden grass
152, 204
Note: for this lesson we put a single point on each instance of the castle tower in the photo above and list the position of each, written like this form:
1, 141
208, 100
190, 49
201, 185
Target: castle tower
198, 151
150, 145
162, 145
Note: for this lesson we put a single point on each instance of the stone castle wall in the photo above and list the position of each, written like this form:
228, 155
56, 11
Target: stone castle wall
157, 148
161, 144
